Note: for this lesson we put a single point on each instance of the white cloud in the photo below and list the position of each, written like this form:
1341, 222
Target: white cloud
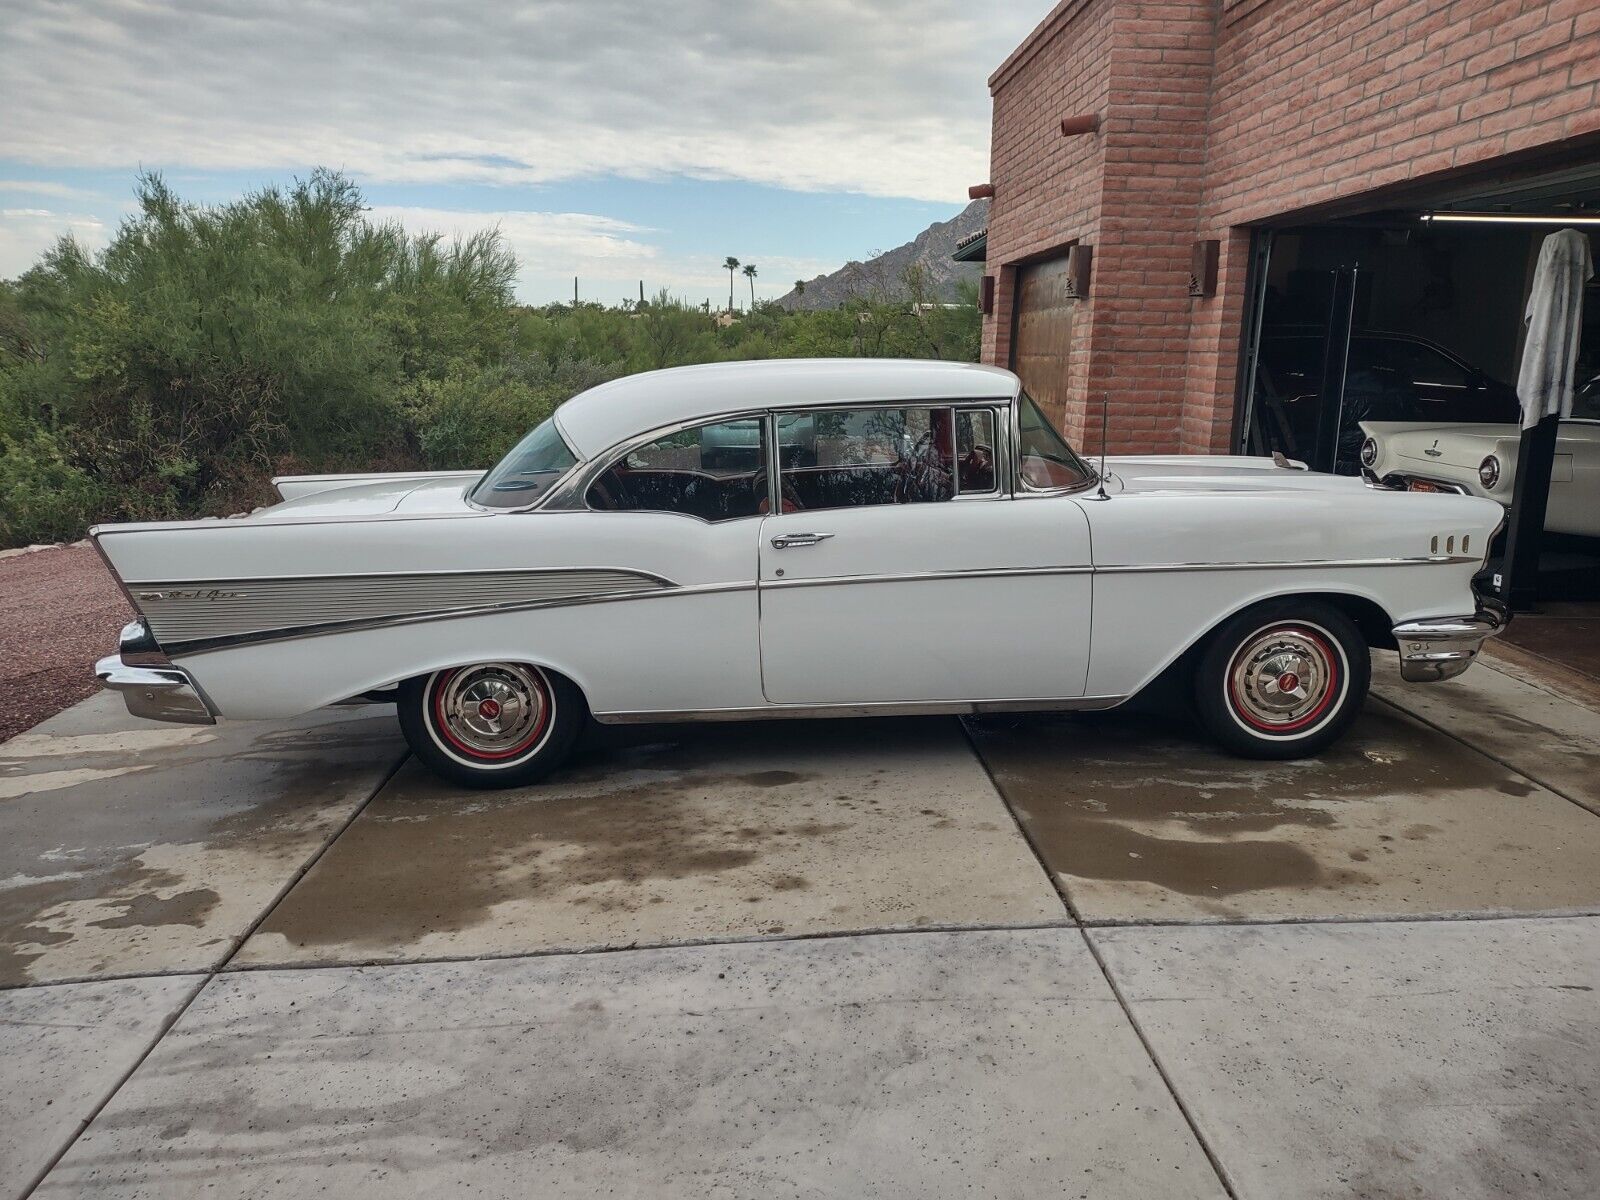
48, 187
26, 233
885, 97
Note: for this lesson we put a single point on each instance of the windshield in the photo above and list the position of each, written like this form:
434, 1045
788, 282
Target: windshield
525, 474
1046, 460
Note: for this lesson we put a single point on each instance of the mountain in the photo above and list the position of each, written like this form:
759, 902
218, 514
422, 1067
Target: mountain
885, 274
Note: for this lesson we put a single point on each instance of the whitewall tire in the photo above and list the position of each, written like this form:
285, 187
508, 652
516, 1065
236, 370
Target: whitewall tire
1284, 679
491, 724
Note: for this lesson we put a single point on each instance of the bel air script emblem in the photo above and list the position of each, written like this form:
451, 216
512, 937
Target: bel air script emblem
192, 594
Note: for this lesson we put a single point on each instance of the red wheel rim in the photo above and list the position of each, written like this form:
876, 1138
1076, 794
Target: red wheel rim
1284, 678
491, 712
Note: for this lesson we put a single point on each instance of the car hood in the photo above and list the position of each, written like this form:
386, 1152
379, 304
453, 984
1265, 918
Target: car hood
1217, 473
374, 499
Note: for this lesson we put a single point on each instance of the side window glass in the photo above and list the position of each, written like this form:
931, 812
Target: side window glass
847, 458
715, 472
974, 451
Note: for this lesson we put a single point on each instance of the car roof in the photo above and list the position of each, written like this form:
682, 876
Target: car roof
600, 418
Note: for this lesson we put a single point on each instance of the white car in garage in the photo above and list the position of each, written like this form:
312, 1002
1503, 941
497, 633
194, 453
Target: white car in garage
1481, 460
798, 539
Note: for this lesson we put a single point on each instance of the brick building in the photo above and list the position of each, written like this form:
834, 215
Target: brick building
1326, 148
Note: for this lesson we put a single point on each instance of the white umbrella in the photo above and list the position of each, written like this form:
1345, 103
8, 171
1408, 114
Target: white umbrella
1554, 319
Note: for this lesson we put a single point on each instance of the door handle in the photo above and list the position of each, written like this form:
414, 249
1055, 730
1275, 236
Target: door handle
785, 540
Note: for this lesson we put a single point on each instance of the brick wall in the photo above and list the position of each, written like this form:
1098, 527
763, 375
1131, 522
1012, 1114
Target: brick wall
1219, 114
1047, 187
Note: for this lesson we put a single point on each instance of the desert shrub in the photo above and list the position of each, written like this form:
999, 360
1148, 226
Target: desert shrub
205, 345
43, 496
471, 417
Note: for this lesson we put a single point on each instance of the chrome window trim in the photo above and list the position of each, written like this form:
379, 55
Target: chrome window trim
611, 460
538, 501
891, 708
992, 405
573, 489
999, 488
774, 464
1020, 486
568, 494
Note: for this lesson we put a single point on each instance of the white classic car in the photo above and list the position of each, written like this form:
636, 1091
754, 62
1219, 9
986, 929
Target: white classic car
1481, 460
788, 539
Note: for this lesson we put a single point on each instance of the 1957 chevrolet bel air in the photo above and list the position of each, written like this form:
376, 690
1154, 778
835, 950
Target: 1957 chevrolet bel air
783, 539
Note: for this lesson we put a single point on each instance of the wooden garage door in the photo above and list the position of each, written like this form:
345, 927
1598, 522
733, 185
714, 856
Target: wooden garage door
1041, 333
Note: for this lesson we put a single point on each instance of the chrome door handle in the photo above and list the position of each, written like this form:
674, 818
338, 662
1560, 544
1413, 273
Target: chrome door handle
785, 540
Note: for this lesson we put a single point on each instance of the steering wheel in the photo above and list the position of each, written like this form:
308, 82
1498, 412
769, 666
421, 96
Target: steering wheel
977, 465
612, 493
789, 499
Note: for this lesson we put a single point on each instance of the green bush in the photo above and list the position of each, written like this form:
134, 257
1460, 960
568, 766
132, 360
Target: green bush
43, 496
470, 418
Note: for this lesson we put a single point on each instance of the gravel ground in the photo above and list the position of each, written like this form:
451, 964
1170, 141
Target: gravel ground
59, 611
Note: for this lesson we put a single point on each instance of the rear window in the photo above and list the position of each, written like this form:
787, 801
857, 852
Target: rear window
528, 471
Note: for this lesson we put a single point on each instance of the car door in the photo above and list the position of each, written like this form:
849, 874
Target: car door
901, 569
684, 507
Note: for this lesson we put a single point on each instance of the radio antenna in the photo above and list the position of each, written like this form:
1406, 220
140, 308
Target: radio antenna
1105, 407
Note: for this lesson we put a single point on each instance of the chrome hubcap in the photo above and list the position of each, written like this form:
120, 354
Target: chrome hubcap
493, 707
1280, 676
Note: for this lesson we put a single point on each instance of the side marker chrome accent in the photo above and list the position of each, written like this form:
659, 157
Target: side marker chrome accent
914, 708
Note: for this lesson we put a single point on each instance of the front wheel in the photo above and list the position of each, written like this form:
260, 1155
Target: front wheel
491, 725
1284, 679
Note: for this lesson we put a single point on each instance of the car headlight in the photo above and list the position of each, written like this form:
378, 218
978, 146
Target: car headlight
1369, 452
1489, 472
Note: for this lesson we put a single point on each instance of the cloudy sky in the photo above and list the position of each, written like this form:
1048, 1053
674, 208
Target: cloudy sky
609, 139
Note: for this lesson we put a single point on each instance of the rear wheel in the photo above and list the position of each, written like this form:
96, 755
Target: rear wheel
494, 724
1284, 679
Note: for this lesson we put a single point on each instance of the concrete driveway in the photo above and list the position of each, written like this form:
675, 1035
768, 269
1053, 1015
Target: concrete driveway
1034, 958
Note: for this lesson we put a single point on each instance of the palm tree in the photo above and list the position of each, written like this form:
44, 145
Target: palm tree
799, 287
750, 274
730, 265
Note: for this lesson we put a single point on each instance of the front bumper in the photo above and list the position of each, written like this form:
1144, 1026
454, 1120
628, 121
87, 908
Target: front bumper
1443, 647
1399, 481
151, 686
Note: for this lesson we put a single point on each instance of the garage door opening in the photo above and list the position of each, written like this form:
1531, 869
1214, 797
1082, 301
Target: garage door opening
1403, 317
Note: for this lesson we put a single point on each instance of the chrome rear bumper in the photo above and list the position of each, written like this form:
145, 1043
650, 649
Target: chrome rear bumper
151, 686
1443, 647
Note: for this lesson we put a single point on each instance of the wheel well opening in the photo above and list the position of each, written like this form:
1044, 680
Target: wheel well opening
1375, 625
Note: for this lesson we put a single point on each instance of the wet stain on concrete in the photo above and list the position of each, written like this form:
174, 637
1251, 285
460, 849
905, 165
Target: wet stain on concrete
185, 908
145, 851
429, 859
128, 890
1145, 799
1495, 724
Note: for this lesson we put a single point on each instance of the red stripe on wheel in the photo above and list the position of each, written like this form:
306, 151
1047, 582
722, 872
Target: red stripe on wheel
440, 723
1311, 717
